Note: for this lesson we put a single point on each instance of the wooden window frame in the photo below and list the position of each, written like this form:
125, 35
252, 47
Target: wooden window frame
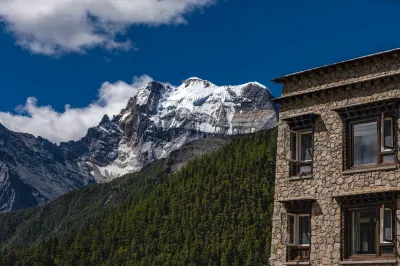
379, 237
296, 247
297, 163
381, 149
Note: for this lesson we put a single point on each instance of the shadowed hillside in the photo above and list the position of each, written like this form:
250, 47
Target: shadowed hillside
216, 210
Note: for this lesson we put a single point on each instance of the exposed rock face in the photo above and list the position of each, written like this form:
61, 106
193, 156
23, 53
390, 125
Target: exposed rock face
161, 118
34, 170
158, 120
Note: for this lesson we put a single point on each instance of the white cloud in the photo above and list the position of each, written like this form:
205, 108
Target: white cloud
58, 26
73, 123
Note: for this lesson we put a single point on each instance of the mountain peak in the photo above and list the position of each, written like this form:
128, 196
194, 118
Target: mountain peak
154, 85
195, 81
104, 120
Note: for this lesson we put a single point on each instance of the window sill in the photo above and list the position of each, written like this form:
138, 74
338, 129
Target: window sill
369, 169
370, 262
294, 178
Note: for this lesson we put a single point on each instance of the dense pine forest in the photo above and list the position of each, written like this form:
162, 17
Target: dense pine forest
214, 211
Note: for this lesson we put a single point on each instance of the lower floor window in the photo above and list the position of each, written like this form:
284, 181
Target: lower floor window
369, 231
296, 228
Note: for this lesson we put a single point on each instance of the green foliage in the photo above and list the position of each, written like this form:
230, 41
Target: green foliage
214, 211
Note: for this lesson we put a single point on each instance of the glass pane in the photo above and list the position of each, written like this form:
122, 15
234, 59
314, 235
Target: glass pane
387, 225
306, 147
363, 234
305, 169
388, 158
365, 143
304, 232
387, 133
290, 229
387, 250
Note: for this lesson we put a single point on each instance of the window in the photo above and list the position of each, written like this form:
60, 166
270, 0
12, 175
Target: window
370, 231
296, 236
300, 152
298, 229
371, 142
386, 225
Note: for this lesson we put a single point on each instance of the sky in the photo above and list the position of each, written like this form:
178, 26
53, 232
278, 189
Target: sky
66, 63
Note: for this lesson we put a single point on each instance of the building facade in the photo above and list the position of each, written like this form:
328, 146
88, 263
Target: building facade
337, 173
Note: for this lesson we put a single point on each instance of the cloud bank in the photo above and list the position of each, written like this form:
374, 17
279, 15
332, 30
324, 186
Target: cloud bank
73, 123
60, 26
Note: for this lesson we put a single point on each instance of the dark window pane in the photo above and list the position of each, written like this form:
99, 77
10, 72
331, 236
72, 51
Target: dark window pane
387, 225
290, 229
365, 143
388, 134
363, 232
293, 146
293, 169
306, 147
387, 250
304, 232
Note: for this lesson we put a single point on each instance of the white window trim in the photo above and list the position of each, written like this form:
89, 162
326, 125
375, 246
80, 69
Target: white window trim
382, 224
383, 133
298, 148
296, 230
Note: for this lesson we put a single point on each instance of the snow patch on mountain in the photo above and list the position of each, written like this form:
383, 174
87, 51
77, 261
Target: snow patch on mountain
157, 120
161, 118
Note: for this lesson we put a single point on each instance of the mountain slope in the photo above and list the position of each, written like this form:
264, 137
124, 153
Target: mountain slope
216, 210
87, 203
33, 171
158, 120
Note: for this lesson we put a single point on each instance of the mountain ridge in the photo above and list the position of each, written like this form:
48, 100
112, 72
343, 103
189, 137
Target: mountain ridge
159, 119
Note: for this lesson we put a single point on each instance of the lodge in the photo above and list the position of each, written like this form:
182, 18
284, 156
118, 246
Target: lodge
337, 172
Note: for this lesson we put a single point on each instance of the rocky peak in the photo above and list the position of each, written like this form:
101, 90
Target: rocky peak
104, 120
193, 81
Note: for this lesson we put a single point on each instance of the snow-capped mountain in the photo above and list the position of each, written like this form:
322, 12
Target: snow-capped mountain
159, 119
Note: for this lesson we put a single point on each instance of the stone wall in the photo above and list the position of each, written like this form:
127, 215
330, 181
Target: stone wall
328, 179
341, 75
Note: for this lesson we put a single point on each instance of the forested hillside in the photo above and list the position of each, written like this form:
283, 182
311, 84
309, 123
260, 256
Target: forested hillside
214, 211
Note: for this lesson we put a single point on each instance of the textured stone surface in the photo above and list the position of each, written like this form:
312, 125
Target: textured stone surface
341, 75
328, 179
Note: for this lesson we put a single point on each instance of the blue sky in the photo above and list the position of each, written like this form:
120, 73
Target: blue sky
228, 42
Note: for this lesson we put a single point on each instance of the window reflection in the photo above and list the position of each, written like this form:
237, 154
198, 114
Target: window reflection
365, 143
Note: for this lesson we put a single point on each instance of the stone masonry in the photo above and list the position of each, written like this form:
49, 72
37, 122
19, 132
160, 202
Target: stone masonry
320, 91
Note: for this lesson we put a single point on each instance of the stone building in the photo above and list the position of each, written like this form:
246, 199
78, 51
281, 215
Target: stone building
337, 174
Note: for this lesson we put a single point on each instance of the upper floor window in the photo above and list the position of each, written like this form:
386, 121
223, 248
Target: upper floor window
370, 133
301, 152
299, 145
372, 141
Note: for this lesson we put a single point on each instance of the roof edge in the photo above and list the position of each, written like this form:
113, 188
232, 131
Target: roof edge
355, 83
295, 74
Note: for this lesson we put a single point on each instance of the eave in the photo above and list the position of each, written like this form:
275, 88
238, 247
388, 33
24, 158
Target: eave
338, 66
337, 88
